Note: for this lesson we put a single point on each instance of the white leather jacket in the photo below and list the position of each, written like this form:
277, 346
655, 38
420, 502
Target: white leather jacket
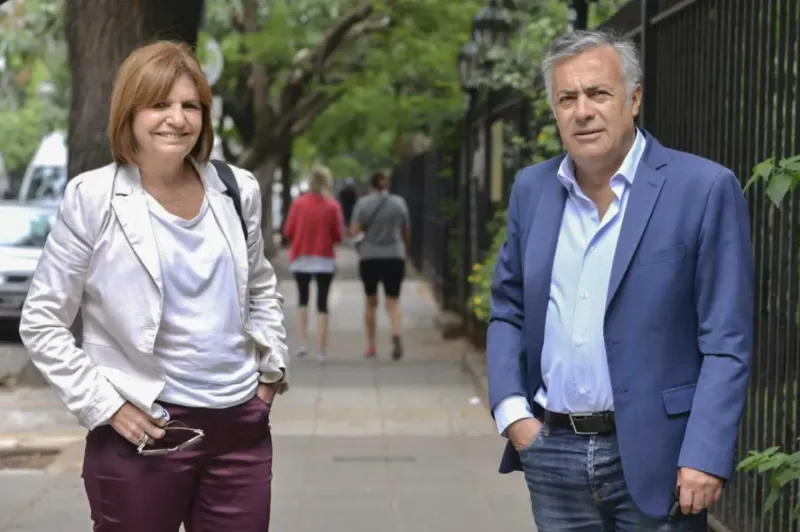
101, 258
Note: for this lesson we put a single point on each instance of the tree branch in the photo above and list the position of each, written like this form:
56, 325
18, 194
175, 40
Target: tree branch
295, 109
312, 110
259, 78
307, 63
370, 26
337, 35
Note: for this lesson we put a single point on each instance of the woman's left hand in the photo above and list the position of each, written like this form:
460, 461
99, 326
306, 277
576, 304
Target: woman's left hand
266, 393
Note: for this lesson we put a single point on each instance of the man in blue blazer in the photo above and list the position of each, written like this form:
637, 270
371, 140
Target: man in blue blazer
620, 337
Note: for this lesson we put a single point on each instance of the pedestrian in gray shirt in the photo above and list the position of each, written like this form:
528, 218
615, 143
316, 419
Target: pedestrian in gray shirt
383, 218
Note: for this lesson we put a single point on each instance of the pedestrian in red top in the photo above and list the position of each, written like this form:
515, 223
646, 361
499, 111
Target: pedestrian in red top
314, 227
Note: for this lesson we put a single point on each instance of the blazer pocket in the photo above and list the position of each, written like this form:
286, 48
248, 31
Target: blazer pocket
676, 252
678, 400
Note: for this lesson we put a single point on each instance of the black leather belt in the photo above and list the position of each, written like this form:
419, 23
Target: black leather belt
584, 424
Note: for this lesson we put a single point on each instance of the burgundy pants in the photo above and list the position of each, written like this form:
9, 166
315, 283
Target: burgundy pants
223, 483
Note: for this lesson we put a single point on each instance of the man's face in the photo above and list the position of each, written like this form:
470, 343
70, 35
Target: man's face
591, 107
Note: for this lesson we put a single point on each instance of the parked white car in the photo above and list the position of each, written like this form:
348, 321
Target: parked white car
23, 232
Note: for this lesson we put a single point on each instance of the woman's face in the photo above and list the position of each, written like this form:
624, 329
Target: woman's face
170, 128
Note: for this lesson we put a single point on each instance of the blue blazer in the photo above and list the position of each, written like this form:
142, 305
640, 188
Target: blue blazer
678, 323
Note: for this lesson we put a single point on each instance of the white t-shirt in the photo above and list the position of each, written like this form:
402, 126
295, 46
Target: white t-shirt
208, 358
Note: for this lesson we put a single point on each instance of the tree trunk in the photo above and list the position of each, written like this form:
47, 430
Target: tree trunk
100, 35
266, 176
286, 190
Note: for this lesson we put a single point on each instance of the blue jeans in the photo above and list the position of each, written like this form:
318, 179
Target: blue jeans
576, 485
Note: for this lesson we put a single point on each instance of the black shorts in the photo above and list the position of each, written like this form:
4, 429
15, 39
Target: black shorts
304, 288
390, 272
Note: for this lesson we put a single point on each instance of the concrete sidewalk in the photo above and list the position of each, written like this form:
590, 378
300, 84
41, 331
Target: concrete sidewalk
360, 445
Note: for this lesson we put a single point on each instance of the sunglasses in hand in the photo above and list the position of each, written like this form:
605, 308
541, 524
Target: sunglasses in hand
177, 437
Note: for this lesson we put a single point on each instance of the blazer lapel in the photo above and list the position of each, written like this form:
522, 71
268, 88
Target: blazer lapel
225, 214
542, 241
130, 205
644, 193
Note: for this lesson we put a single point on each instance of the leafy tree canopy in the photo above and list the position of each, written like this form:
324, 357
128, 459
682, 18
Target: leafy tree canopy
395, 72
34, 77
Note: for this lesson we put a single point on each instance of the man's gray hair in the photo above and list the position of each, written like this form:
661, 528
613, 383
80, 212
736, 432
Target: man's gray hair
575, 43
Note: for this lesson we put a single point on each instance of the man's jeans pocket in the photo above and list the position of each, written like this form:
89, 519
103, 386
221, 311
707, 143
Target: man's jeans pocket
531, 444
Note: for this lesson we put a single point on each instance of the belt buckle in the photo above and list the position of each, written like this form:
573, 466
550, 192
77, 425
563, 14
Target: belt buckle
579, 417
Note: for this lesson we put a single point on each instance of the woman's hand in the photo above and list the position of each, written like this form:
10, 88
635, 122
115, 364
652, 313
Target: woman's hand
266, 393
133, 424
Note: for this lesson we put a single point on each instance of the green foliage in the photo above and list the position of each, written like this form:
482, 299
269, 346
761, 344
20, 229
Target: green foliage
481, 277
409, 84
21, 130
781, 178
782, 468
33, 55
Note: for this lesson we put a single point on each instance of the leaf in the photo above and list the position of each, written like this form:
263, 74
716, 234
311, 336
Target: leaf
784, 477
772, 498
764, 168
751, 181
793, 458
794, 159
756, 458
779, 185
791, 164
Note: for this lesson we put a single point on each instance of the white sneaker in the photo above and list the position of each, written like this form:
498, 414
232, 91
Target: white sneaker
301, 351
322, 357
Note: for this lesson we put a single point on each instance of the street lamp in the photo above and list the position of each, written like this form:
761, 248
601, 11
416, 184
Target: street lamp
493, 24
468, 65
577, 14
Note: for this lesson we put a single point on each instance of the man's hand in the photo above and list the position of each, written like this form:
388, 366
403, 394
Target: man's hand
522, 432
698, 490
266, 393
133, 424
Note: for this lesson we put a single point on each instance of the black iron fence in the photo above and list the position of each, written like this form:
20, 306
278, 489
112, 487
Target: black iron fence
722, 80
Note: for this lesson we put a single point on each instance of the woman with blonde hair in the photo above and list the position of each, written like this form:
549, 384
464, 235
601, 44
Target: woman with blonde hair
183, 344
314, 227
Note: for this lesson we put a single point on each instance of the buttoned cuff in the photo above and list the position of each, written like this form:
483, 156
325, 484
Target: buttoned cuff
106, 403
510, 410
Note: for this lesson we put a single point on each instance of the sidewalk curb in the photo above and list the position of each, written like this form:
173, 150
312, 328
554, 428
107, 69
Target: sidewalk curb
69, 459
66, 444
475, 363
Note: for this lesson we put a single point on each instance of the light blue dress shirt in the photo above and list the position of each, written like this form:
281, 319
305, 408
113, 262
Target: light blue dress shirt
574, 365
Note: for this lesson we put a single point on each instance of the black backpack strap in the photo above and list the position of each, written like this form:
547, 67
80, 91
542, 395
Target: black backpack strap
231, 190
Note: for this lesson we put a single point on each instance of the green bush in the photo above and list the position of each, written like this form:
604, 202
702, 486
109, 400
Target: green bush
481, 277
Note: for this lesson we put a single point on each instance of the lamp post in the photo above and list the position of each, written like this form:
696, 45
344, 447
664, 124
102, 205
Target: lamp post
468, 69
491, 31
493, 24
577, 15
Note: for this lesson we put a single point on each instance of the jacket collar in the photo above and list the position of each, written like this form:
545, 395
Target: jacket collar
128, 178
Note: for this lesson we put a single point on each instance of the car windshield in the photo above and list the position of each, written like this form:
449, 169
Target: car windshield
24, 228
47, 182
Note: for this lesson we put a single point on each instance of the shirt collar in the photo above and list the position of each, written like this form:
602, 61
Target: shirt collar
566, 171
